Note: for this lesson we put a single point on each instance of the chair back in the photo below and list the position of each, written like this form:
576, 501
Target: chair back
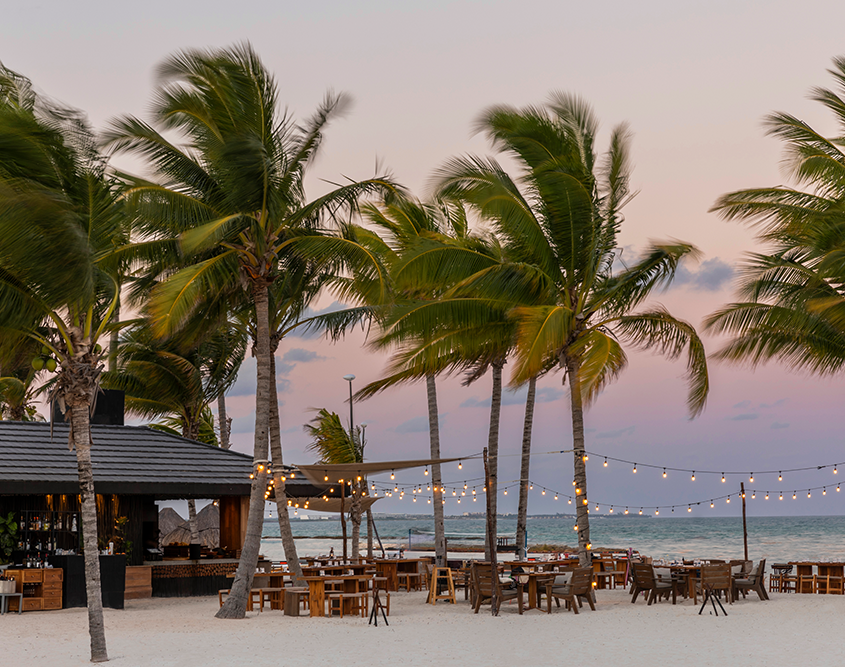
760, 574
716, 576
485, 579
581, 582
643, 575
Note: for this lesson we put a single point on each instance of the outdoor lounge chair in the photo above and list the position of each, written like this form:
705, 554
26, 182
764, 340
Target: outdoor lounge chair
756, 581
578, 589
486, 583
646, 582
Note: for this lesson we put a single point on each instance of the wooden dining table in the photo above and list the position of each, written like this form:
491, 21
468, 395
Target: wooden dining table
804, 572
350, 583
535, 583
389, 568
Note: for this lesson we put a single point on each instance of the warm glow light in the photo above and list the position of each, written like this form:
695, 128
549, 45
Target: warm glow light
693, 476
751, 478
781, 497
723, 478
641, 510
555, 496
635, 467
392, 476
585, 501
711, 504
426, 471
808, 493
664, 473
460, 465
626, 510
605, 463
794, 496
656, 511
569, 502
780, 477
544, 492
835, 470
689, 509
767, 495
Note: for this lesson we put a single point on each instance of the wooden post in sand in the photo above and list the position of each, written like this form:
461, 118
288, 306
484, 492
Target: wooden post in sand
491, 537
744, 526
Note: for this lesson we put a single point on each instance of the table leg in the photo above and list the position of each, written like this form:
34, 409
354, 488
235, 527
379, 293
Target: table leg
317, 595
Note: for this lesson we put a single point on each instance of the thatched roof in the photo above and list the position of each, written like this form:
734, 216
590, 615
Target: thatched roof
168, 520
208, 524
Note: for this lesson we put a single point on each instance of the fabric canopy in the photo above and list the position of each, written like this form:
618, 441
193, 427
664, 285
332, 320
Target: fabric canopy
318, 472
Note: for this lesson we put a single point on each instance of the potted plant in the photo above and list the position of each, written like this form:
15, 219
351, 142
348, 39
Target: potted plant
8, 535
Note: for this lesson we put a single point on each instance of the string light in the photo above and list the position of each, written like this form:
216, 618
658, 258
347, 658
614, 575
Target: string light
835, 470
426, 471
605, 462
711, 504
808, 493
626, 510
794, 496
664, 473
693, 476
641, 510
780, 476
767, 495
689, 509
751, 478
635, 468
460, 465
392, 475
723, 478
781, 496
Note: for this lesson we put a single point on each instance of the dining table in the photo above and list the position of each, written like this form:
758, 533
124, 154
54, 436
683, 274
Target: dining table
350, 583
536, 583
823, 569
317, 589
389, 568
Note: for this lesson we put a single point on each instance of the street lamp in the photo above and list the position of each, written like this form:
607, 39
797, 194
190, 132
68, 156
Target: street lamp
349, 379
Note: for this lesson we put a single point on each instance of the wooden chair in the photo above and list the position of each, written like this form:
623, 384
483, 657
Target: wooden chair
486, 584
608, 573
714, 580
578, 589
781, 579
646, 582
755, 581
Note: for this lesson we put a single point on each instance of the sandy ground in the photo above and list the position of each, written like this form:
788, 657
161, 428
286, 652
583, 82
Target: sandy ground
787, 630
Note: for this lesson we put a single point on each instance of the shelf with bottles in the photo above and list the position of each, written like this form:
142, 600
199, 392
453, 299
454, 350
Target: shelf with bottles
45, 533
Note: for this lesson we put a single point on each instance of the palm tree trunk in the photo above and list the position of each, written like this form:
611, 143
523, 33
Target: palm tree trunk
113, 341
436, 479
573, 370
235, 605
493, 454
223, 419
355, 515
80, 420
190, 433
524, 472
285, 530
369, 533
343, 518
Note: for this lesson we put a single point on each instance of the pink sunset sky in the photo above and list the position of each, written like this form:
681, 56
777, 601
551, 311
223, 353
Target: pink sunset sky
694, 80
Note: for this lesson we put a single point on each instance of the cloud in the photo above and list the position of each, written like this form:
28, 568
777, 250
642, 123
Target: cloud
710, 276
776, 404
746, 416
245, 424
283, 368
515, 397
743, 404
777, 425
416, 425
301, 355
628, 430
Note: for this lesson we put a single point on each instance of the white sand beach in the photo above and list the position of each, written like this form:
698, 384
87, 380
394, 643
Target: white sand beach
787, 630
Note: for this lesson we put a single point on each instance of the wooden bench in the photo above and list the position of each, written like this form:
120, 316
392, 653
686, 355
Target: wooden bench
360, 602
272, 596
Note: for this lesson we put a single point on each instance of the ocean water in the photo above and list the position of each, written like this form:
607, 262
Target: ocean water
778, 539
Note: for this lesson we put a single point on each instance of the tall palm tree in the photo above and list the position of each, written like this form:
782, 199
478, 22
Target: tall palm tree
233, 196
59, 222
558, 223
405, 229
792, 305
336, 445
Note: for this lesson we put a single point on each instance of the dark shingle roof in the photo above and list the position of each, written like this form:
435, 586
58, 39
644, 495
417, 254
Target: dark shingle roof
126, 459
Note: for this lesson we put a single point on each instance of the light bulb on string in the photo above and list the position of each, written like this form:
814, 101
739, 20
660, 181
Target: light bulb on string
610, 511
506, 492
656, 511
392, 475
781, 496
824, 491
605, 462
808, 493
555, 496
835, 470
635, 468
711, 504
780, 476
728, 499
460, 465
544, 492
753, 495
767, 495
664, 473
723, 478
426, 471
569, 501
751, 478
641, 510
693, 476
689, 509
837, 487
626, 510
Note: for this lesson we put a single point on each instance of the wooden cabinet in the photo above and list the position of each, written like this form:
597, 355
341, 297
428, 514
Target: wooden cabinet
42, 589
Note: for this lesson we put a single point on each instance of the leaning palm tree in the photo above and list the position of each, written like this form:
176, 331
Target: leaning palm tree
792, 305
336, 445
59, 222
558, 223
233, 198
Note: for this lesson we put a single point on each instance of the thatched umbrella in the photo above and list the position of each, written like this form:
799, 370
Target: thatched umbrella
168, 521
208, 524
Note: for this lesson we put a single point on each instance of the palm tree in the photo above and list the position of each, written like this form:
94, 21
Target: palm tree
233, 196
59, 223
335, 445
793, 297
558, 223
18, 381
409, 229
